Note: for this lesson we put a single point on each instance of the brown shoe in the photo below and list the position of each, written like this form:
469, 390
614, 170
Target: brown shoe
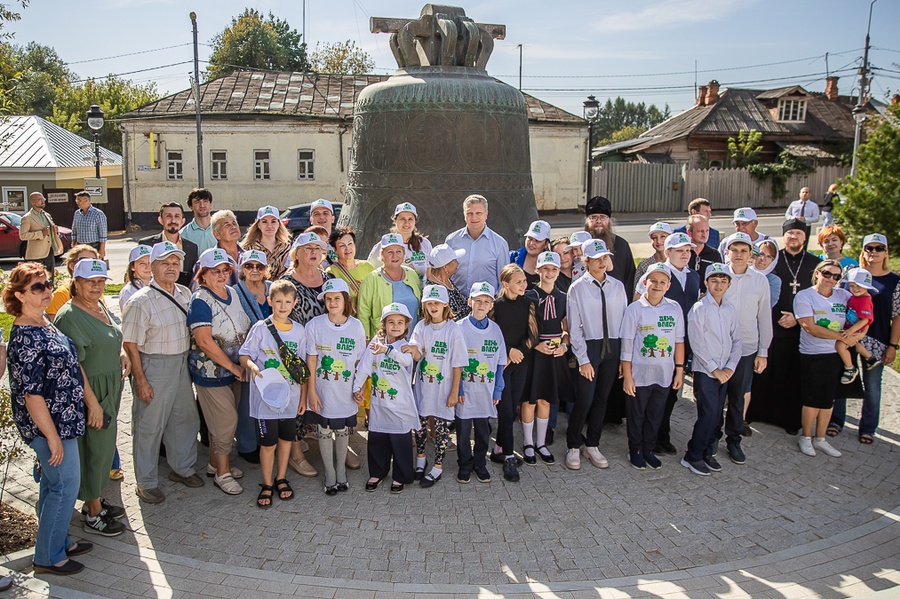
151, 496
303, 468
193, 481
353, 462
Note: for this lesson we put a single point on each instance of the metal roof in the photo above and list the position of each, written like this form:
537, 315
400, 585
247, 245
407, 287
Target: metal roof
314, 95
32, 142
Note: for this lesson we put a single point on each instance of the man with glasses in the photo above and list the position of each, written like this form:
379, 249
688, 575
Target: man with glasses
199, 230
599, 223
171, 217
89, 224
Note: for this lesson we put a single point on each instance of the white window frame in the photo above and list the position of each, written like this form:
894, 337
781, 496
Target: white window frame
308, 173
262, 167
791, 110
16, 193
175, 166
218, 167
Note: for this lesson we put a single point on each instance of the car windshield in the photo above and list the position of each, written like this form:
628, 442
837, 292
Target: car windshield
14, 219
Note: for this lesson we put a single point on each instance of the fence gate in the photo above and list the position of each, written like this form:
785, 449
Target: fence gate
636, 187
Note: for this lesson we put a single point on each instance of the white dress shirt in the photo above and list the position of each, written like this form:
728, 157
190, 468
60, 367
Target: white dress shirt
808, 209
749, 294
715, 335
584, 309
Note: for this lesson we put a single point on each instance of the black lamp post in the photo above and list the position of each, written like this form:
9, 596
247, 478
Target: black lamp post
591, 106
95, 122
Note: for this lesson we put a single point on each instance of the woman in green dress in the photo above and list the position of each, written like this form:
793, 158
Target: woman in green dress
87, 321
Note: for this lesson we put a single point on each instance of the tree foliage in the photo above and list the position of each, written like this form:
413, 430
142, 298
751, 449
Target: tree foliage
624, 134
341, 58
744, 150
779, 172
615, 115
255, 42
31, 76
871, 200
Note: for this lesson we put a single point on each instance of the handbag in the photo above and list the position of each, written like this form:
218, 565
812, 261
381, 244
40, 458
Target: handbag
296, 366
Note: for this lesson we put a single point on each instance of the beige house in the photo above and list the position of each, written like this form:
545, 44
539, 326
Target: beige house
284, 139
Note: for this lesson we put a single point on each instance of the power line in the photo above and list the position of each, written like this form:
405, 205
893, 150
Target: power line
165, 66
129, 54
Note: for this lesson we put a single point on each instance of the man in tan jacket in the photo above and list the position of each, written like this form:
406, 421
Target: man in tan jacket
40, 233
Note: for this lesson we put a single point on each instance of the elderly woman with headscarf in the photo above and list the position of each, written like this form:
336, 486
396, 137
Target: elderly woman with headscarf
269, 235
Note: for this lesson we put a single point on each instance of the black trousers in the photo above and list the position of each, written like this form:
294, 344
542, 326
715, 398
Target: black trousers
515, 380
464, 458
591, 396
49, 263
385, 446
737, 385
644, 412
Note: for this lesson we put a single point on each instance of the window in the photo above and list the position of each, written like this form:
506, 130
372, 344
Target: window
175, 165
306, 164
219, 165
261, 164
791, 111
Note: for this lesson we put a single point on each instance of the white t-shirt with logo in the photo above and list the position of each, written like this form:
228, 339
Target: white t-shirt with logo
829, 312
485, 351
649, 335
338, 348
392, 407
443, 349
261, 347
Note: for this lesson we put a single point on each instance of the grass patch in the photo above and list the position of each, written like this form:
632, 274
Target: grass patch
113, 288
6, 321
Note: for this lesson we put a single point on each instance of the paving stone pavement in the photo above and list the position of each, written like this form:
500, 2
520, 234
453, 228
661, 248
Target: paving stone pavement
783, 525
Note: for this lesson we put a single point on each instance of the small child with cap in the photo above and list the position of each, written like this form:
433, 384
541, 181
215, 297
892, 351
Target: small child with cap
576, 240
860, 314
137, 274
393, 416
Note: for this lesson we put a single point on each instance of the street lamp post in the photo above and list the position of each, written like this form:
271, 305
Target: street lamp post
95, 122
591, 106
859, 115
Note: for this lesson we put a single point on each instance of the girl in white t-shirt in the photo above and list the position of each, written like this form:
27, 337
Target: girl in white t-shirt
441, 352
392, 412
335, 343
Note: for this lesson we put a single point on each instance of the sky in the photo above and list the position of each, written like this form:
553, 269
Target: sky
642, 50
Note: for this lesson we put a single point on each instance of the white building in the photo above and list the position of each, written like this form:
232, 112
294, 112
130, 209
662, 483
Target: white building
284, 139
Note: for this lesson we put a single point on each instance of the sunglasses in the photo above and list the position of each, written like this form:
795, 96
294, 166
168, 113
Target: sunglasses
220, 272
256, 266
872, 249
830, 275
41, 287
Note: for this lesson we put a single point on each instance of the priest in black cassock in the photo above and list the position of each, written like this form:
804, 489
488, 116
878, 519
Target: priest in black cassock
776, 391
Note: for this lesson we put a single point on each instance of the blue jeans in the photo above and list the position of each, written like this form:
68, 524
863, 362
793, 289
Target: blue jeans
710, 396
247, 433
871, 406
58, 491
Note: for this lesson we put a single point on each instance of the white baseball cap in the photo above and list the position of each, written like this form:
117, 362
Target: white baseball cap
738, 238
395, 308
334, 285
274, 389
577, 239
267, 211
547, 259
139, 251
717, 268
660, 226
253, 256
163, 249
442, 255
678, 240
481, 288
435, 293
657, 267
861, 277
308, 238
213, 257
875, 238
405, 207
595, 248
539, 229
391, 239
321, 203
744, 215
90, 268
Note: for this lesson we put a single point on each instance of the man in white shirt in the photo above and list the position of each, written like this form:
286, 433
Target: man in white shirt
745, 221
804, 210
486, 252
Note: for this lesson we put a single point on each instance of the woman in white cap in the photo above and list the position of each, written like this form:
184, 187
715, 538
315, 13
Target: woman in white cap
219, 326
346, 267
392, 282
98, 339
444, 261
269, 235
253, 287
61, 294
307, 276
658, 233
416, 245
537, 240
137, 274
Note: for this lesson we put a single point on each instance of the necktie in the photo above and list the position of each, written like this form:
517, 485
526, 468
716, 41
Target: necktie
605, 318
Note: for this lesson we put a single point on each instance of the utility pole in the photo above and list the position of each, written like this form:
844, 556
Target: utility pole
520, 67
859, 111
197, 103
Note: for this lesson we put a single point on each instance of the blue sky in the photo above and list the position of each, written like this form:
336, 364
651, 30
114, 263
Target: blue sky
571, 48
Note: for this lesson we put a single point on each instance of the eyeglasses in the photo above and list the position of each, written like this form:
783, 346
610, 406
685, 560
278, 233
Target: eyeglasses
224, 271
598, 218
873, 249
41, 287
830, 275
257, 266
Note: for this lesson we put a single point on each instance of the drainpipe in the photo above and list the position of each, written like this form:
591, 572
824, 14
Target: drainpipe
125, 185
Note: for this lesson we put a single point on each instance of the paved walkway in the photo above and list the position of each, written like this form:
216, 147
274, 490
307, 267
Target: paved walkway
783, 525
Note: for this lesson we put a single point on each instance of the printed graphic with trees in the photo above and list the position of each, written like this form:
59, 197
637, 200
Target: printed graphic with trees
831, 325
656, 347
430, 370
478, 369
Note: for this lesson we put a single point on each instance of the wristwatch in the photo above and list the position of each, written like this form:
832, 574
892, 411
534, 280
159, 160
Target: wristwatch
894, 345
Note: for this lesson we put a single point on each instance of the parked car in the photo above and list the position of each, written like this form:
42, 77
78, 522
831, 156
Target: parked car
296, 218
9, 235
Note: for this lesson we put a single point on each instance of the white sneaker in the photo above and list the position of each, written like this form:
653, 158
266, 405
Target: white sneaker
573, 461
806, 446
596, 458
822, 444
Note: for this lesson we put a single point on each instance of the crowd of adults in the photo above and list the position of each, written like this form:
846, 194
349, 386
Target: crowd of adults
195, 290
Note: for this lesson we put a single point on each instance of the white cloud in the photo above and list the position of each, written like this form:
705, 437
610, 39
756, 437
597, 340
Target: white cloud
668, 13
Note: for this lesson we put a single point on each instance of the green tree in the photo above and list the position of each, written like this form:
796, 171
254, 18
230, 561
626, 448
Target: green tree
624, 134
392, 393
327, 361
114, 96
8, 74
744, 150
650, 343
346, 374
871, 200
7, 14
617, 114
471, 369
779, 172
342, 58
255, 42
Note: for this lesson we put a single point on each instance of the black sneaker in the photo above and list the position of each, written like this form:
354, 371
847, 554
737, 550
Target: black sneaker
112, 511
736, 454
483, 475
103, 526
870, 363
848, 375
712, 463
497, 458
700, 468
510, 472
637, 460
463, 478
652, 461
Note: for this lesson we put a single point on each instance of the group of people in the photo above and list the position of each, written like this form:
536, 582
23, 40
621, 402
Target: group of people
262, 342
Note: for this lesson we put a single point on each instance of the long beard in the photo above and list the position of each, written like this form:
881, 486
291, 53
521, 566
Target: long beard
605, 234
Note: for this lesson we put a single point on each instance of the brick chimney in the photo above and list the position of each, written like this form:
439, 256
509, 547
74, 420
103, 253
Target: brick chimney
713, 95
831, 88
701, 96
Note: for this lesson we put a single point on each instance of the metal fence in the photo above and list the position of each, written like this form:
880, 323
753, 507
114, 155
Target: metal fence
664, 188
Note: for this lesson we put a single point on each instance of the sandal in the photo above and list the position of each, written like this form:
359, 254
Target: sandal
372, 484
833, 430
396, 488
866, 439
266, 494
283, 486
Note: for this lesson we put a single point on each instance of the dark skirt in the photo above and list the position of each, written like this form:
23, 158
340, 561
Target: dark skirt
820, 376
550, 379
334, 424
776, 390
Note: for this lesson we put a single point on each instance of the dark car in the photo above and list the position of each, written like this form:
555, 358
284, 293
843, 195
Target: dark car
9, 235
296, 218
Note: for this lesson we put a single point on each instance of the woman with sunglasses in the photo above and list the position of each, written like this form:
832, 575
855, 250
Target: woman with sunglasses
253, 286
821, 312
881, 339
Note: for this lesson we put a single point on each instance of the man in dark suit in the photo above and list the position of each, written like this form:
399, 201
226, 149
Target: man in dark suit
171, 217
598, 222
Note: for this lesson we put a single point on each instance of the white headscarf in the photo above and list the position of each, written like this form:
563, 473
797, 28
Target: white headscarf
771, 265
